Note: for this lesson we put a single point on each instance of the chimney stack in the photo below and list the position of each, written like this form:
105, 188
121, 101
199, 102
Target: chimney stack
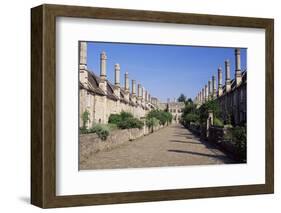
103, 83
203, 95
133, 87
143, 93
117, 75
227, 76
83, 55
214, 87
83, 73
127, 89
210, 90
206, 93
219, 81
238, 76
139, 94
117, 80
103, 59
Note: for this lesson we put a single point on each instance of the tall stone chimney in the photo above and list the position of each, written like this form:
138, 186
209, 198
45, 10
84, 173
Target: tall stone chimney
210, 90
126, 87
143, 95
227, 76
134, 91
103, 83
83, 73
219, 81
133, 87
139, 94
117, 80
238, 75
103, 59
117, 75
83, 55
206, 93
214, 87
203, 95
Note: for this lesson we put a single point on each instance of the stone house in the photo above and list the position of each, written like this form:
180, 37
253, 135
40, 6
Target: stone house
100, 97
232, 96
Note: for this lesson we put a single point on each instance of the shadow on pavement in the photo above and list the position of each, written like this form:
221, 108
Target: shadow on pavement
220, 157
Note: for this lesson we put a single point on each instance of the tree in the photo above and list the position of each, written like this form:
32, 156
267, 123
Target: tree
189, 101
182, 98
85, 118
209, 106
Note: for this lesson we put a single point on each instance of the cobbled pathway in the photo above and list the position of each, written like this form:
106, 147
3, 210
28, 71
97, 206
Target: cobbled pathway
170, 146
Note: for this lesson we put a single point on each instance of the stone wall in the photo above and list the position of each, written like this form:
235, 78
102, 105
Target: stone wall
91, 143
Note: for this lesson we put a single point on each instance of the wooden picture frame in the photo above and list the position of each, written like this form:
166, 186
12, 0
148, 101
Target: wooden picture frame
43, 105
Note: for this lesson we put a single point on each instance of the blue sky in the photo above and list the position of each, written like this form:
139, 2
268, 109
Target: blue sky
165, 71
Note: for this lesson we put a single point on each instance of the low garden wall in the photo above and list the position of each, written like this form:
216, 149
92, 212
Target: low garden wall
91, 143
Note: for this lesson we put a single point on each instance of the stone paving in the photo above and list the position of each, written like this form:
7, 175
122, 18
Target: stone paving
170, 146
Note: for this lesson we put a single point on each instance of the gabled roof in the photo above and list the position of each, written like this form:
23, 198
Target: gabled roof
233, 82
93, 86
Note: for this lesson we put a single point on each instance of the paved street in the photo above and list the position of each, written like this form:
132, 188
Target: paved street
171, 146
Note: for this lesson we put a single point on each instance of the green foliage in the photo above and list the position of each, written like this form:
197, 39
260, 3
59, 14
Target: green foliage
125, 120
182, 98
190, 114
238, 136
189, 101
209, 106
191, 117
218, 122
85, 118
152, 122
101, 130
129, 123
83, 130
240, 139
112, 126
162, 116
114, 119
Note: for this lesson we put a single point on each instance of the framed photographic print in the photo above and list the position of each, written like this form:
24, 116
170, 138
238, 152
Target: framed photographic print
136, 106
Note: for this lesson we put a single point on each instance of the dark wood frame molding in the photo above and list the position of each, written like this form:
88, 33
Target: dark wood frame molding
43, 105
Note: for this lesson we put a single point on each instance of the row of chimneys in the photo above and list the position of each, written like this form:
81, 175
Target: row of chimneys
209, 91
142, 95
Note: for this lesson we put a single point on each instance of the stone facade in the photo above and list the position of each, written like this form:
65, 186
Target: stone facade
101, 98
232, 96
173, 107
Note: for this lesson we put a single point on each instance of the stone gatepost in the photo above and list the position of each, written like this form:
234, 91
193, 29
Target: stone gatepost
210, 122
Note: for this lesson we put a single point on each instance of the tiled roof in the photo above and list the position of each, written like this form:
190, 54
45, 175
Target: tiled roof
233, 82
93, 86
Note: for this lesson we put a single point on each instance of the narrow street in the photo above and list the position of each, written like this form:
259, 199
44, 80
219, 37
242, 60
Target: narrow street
171, 146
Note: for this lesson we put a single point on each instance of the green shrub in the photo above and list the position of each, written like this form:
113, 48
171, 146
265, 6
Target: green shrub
240, 139
101, 130
129, 123
218, 122
112, 126
152, 122
162, 116
238, 136
204, 109
124, 120
126, 115
114, 118
83, 130
85, 118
